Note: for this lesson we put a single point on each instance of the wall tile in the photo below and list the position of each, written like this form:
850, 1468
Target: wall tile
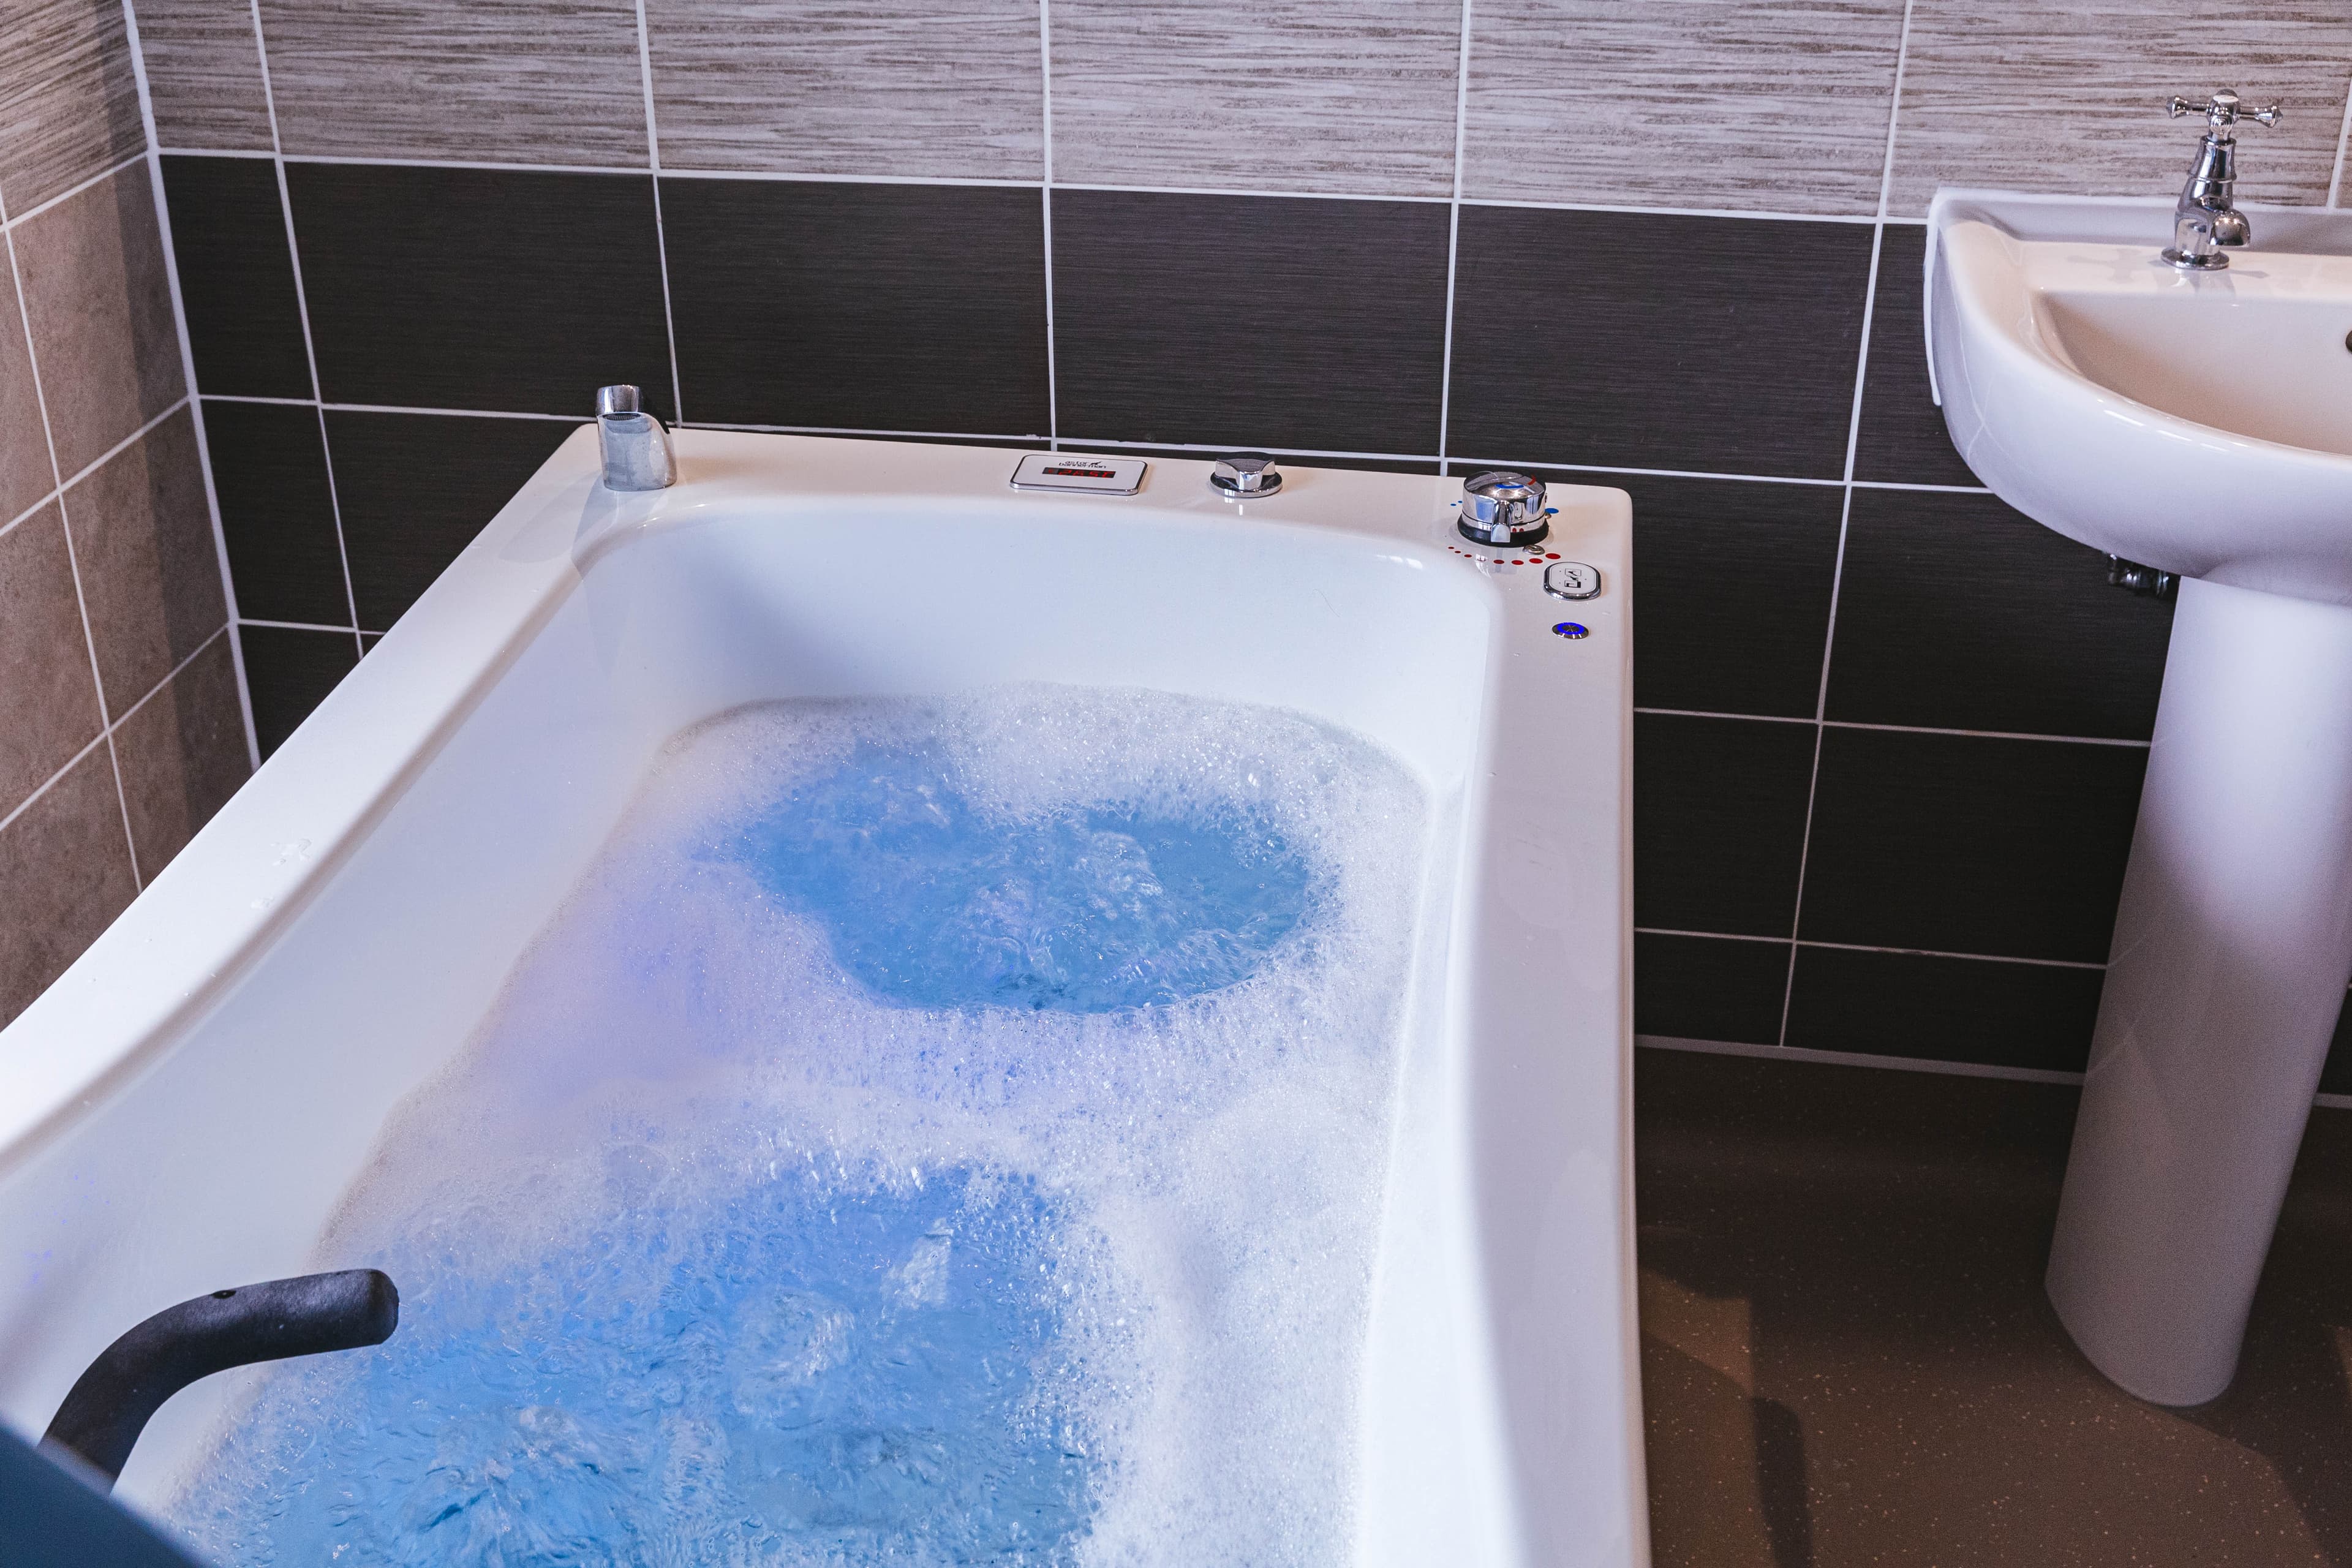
1264, 95
65, 874
99, 298
859, 306
1963, 844
737, 88
277, 511
1956, 613
1256, 321
288, 673
494, 81
1734, 581
2047, 95
237, 276
1707, 988
48, 701
439, 288
68, 97
1944, 1009
1718, 823
1725, 345
26, 473
1903, 439
415, 489
203, 74
2335, 1078
182, 755
142, 536
1761, 105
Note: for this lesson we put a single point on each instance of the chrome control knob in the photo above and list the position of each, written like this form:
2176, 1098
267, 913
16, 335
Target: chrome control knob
1504, 510
1240, 475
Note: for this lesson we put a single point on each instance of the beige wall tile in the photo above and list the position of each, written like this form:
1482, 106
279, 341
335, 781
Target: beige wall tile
1273, 94
1753, 105
182, 755
25, 475
942, 90
203, 74
2068, 95
69, 96
527, 81
49, 698
65, 874
99, 299
142, 537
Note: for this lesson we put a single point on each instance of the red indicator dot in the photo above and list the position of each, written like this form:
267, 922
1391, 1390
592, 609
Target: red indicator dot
1553, 556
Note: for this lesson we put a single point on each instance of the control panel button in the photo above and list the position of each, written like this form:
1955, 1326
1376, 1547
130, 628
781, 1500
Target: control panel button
1072, 471
1571, 579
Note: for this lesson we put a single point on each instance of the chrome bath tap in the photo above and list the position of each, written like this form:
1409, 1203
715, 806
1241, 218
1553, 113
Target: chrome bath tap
2205, 219
637, 453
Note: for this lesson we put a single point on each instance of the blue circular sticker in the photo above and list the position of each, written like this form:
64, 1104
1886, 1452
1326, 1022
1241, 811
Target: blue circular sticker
1573, 630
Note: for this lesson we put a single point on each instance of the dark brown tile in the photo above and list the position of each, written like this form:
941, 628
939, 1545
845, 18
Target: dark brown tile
277, 511
1709, 988
182, 754
65, 874
290, 672
1903, 439
203, 74
49, 697
68, 97
1718, 823
237, 278
99, 298
1987, 1011
25, 475
151, 581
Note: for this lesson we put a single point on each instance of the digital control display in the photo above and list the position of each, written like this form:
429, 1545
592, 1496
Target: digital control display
1080, 473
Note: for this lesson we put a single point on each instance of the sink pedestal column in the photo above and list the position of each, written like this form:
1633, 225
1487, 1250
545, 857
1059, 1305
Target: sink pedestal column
2232, 951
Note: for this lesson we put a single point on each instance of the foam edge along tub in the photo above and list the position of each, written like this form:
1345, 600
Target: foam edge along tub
192, 1103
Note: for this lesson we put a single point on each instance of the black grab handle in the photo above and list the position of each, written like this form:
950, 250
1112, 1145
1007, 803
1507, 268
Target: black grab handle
110, 1404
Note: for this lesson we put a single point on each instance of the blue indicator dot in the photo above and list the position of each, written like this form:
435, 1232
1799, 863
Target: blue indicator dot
1571, 631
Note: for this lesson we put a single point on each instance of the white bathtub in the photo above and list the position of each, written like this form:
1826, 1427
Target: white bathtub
184, 1108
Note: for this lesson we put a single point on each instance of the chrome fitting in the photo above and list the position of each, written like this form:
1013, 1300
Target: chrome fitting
1504, 510
1242, 475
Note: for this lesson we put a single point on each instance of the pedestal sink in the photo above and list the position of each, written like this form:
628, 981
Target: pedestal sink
2200, 424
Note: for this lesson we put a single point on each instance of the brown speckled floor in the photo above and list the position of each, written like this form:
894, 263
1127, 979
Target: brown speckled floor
1847, 1357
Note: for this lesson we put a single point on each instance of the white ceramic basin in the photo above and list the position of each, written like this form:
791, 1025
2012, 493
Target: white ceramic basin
2200, 423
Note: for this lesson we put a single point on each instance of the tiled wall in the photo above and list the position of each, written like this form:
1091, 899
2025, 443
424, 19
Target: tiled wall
1891, 733
120, 725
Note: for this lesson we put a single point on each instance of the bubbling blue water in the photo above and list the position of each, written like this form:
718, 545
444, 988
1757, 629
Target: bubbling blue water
798, 1369
931, 1132
931, 901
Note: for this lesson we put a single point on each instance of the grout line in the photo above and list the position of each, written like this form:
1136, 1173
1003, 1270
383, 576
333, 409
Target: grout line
1453, 242
843, 430
2343, 141
1526, 205
1859, 1060
1845, 518
302, 309
1872, 947
1940, 490
95, 464
1652, 473
73, 557
30, 214
294, 625
661, 239
108, 734
1900, 728
188, 376
1045, 210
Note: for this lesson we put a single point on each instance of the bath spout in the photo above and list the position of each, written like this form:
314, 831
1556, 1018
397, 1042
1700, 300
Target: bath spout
311, 1313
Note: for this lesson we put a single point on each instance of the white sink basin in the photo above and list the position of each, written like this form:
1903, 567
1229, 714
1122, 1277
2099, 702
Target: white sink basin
2200, 423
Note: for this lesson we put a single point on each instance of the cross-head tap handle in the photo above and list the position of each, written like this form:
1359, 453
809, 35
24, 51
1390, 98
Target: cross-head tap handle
2224, 111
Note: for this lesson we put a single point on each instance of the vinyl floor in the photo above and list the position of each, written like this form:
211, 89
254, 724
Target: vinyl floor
1847, 1357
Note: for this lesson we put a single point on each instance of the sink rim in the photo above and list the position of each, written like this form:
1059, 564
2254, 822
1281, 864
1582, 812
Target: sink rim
2096, 464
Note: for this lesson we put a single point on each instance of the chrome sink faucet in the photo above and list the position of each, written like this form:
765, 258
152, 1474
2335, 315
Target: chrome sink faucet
2205, 219
637, 449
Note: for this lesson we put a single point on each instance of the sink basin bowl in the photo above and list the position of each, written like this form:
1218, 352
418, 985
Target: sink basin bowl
2200, 423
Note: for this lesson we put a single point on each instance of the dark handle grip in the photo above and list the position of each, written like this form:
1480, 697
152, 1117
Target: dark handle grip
110, 1404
